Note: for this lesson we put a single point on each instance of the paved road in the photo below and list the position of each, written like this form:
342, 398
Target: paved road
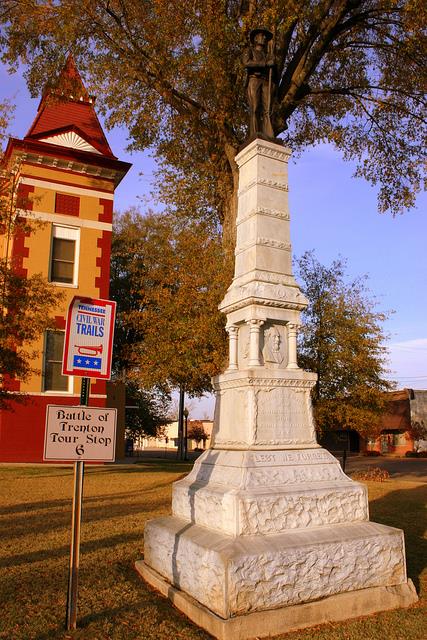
403, 468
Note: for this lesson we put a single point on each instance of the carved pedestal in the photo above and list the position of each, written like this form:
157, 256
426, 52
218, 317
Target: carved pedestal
267, 520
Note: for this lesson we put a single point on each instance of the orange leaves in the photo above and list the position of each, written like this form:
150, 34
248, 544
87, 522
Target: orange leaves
172, 74
179, 336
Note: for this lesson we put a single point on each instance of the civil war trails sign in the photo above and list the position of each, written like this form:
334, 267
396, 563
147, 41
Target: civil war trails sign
89, 338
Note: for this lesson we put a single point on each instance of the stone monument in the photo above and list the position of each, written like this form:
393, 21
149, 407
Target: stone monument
267, 521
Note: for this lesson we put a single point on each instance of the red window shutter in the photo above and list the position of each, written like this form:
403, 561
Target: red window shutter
69, 205
23, 199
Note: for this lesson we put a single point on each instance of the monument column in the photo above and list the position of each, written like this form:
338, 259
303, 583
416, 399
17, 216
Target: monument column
292, 344
232, 331
254, 331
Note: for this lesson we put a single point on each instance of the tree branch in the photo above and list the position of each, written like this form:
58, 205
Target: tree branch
322, 33
285, 42
350, 91
151, 73
306, 58
384, 133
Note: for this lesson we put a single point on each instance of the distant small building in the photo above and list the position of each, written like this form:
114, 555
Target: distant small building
168, 437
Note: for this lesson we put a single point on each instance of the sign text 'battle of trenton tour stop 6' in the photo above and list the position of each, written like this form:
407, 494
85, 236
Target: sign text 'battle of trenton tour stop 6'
89, 338
80, 433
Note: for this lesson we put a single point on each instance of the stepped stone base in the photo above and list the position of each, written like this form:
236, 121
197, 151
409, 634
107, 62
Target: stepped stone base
235, 576
269, 492
260, 624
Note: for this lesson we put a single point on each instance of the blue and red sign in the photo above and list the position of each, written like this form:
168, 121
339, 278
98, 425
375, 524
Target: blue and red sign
89, 335
87, 363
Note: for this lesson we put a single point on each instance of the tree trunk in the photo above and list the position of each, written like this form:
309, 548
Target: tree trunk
230, 204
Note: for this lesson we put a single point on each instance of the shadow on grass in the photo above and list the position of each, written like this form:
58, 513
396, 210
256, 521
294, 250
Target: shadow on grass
148, 600
60, 552
26, 507
20, 518
151, 465
122, 609
62, 519
405, 509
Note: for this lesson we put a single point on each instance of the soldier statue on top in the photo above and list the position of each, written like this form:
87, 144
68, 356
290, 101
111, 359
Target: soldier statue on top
259, 61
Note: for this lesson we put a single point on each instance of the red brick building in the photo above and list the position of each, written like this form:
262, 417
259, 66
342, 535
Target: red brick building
68, 174
403, 408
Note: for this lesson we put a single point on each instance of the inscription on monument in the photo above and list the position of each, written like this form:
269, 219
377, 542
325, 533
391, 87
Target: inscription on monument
292, 457
265, 457
283, 416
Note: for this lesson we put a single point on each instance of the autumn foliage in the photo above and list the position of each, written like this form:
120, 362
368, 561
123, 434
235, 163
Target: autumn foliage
351, 72
342, 341
168, 280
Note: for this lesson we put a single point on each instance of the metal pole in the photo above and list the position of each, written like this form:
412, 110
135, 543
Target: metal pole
186, 434
181, 422
73, 575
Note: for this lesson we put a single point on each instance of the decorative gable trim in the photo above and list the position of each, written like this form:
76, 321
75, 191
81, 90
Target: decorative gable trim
71, 140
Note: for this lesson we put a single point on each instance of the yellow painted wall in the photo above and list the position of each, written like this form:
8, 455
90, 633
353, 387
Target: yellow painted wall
39, 245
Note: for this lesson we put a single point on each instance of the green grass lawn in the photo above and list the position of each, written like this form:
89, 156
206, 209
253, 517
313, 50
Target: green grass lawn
114, 603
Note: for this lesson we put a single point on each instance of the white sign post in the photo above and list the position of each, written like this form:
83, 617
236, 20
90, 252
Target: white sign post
83, 433
80, 433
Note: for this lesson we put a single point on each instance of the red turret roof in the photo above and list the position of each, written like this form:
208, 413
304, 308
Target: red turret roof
67, 107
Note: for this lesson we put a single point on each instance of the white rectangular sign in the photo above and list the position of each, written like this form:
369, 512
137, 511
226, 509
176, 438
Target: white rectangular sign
89, 335
80, 433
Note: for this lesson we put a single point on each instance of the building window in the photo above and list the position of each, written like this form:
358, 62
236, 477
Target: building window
68, 205
54, 347
64, 253
399, 439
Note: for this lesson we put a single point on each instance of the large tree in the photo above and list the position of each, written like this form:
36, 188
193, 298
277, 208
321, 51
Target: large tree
342, 340
351, 72
147, 407
146, 411
168, 280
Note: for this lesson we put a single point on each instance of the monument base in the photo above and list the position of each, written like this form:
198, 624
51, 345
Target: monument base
234, 576
259, 624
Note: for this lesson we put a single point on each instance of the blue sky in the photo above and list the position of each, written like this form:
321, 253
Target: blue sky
332, 213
